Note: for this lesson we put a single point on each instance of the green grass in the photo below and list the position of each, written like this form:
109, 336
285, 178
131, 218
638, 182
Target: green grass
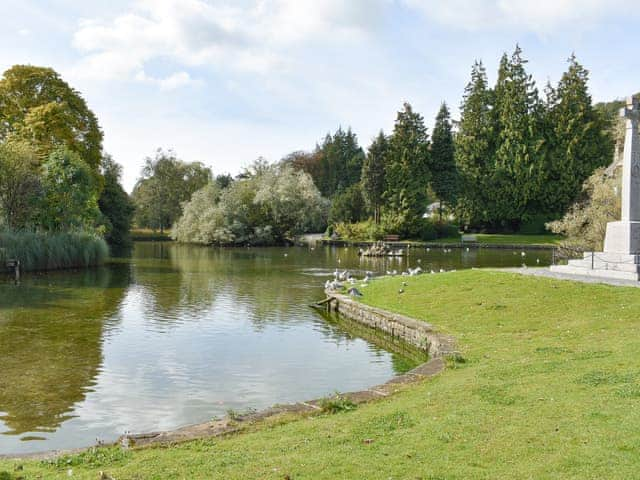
52, 251
547, 385
146, 234
510, 239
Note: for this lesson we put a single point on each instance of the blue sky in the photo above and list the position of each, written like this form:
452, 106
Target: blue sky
224, 82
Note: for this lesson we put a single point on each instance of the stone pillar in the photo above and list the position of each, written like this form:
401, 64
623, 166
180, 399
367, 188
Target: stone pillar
623, 237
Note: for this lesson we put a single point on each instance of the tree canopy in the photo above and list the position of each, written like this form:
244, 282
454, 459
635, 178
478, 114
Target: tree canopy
166, 183
36, 105
268, 205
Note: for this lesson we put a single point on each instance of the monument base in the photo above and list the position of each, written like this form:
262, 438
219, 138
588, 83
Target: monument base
621, 266
622, 237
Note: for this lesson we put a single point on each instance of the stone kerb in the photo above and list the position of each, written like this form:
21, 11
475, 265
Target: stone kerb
415, 332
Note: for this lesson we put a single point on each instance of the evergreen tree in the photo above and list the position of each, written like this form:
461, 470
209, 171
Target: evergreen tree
373, 174
407, 172
518, 112
340, 159
578, 140
444, 178
475, 150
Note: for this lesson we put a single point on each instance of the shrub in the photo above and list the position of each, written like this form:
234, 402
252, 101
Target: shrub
535, 225
53, 251
427, 230
447, 230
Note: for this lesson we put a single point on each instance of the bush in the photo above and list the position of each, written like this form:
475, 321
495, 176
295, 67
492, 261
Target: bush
447, 230
535, 225
348, 206
53, 251
361, 231
427, 230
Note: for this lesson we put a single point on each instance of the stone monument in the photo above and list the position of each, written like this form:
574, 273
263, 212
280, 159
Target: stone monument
621, 256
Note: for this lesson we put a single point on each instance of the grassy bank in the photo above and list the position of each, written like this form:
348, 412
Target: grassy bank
146, 234
52, 251
511, 239
489, 239
550, 388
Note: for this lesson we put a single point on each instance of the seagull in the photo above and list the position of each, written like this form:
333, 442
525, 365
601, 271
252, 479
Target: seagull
354, 292
401, 291
523, 254
537, 260
404, 284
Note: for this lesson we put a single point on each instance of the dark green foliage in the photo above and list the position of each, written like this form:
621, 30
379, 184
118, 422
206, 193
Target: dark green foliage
223, 181
517, 111
373, 175
116, 206
475, 149
444, 175
578, 140
523, 161
166, 183
69, 193
340, 162
348, 206
20, 188
51, 251
334, 166
427, 230
407, 172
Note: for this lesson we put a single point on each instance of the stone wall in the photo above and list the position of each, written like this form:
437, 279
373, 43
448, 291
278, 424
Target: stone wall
420, 334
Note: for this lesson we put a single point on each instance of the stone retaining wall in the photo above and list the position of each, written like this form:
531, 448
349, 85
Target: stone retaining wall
420, 334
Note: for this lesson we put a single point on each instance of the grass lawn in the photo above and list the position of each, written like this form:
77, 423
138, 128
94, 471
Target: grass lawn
550, 389
141, 234
511, 239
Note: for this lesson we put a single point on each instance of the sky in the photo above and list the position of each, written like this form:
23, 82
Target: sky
225, 82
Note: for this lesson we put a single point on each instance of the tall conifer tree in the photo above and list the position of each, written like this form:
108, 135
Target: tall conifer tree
578, 139
408, 172
475, 150
517, 111
373, 174
444, 175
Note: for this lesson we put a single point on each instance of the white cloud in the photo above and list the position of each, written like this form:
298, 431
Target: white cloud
170, 82
538, 16
247, 36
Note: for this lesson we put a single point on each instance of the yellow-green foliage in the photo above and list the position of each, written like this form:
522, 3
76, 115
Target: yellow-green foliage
585, 223
52, 251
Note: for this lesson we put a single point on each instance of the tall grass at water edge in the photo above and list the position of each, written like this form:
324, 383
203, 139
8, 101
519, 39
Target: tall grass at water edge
52, 251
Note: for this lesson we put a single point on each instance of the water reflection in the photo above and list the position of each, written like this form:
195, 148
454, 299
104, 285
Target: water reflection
177, 334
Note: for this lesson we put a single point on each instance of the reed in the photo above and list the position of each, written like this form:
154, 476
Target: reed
52, 251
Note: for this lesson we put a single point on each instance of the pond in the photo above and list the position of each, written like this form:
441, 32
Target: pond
180, 334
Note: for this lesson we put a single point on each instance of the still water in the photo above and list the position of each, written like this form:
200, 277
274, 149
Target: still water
180, 334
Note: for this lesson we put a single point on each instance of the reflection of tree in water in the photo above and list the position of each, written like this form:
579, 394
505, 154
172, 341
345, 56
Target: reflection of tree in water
50, 338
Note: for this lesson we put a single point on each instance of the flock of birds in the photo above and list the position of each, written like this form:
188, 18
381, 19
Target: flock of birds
342, 278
